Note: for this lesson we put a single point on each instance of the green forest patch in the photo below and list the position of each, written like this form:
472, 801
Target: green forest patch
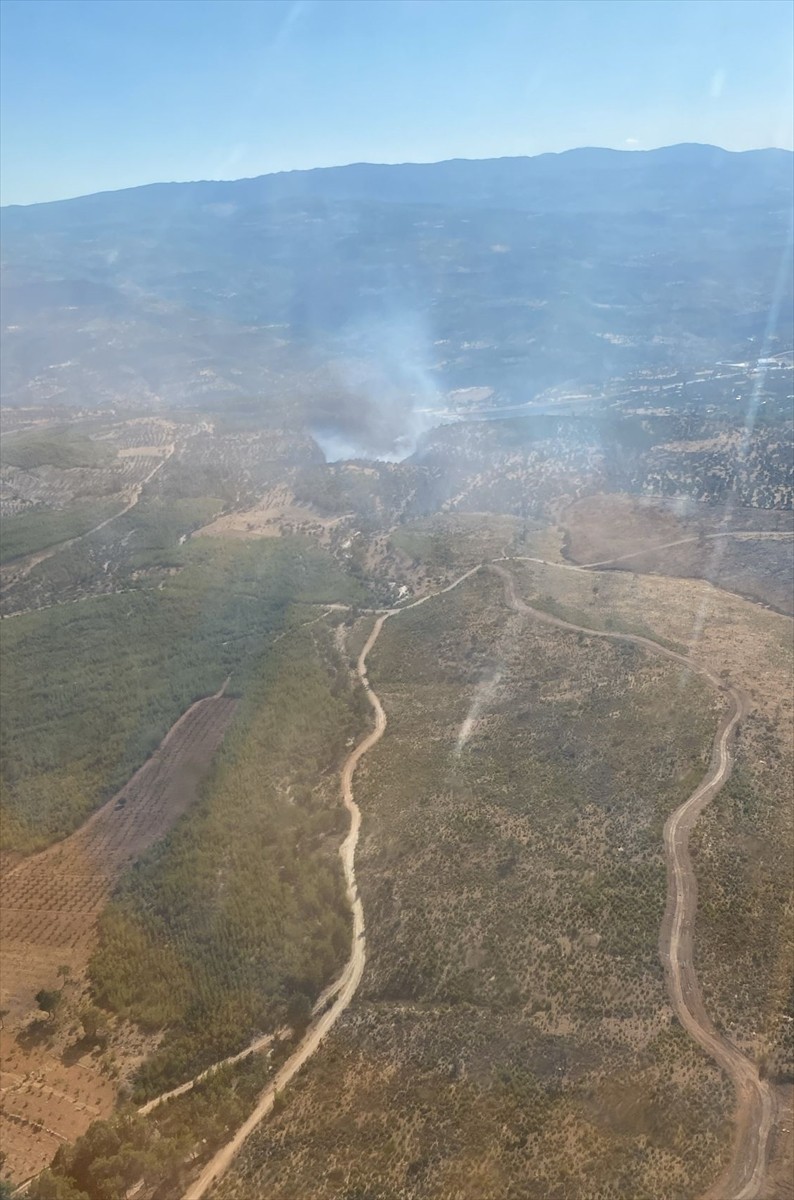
89, 690
26, 533
241, 909
65, 449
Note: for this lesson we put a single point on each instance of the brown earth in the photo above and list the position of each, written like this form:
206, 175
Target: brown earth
277, 512
746, 551
49, 908
757, 1112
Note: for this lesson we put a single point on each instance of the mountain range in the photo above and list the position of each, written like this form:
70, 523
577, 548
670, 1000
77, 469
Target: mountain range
381, 289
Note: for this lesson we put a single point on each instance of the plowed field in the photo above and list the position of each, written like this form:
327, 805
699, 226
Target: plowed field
49, 906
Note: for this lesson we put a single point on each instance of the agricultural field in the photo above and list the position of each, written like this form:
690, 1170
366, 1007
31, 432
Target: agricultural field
58, 484
49, 908
50, 901
241, 910
149, 1152
232, 924
512, 1033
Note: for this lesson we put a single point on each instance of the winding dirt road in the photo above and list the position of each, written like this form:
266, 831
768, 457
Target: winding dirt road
20, 568
345, 987
756, 1105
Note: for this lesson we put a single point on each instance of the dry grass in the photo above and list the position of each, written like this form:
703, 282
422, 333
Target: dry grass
512, 1035
606, 527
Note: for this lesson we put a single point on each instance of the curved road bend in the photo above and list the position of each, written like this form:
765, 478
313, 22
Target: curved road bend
345, 987
756, 1108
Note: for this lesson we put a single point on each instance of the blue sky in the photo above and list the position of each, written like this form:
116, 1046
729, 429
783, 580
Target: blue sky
101, 94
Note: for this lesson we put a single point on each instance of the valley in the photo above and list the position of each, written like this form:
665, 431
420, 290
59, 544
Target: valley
163, 554
397, 726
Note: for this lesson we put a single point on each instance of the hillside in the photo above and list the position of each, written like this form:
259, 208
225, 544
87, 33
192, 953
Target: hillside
396, 603
374, 291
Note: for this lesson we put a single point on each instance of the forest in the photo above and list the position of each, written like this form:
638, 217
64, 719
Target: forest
89, 690
28, 532
239, 916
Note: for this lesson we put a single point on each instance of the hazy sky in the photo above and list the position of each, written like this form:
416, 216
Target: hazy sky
100, 94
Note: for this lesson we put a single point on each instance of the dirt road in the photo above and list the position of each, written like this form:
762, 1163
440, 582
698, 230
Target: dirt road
756, 1105
747, 534
345, 987
20, 568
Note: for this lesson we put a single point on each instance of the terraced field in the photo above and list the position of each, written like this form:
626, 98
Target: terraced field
49, 907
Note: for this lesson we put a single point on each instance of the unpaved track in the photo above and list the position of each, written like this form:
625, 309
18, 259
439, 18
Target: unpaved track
255, 1048
349, 980
19, 569
756, 1104
747, 534
345, 987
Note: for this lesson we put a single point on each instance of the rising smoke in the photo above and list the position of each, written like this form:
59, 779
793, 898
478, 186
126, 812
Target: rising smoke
382, 396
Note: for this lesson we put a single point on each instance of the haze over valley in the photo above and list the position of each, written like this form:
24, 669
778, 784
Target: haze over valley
397, 583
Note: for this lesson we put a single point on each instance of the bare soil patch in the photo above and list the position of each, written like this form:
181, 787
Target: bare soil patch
635, 532
46, 1102
49, 907
276, 513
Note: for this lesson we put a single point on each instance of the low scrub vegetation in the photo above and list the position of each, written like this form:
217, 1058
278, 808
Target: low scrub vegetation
89, 690
239, 915
512, 1035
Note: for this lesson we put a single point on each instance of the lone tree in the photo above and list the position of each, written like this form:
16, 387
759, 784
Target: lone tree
93, 1023
48, 1000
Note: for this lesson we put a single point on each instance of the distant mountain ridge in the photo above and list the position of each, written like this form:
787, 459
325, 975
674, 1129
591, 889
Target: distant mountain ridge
500, 181
382, 288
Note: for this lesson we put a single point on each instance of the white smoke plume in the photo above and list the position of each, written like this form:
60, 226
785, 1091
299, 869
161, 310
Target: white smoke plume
382, 396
